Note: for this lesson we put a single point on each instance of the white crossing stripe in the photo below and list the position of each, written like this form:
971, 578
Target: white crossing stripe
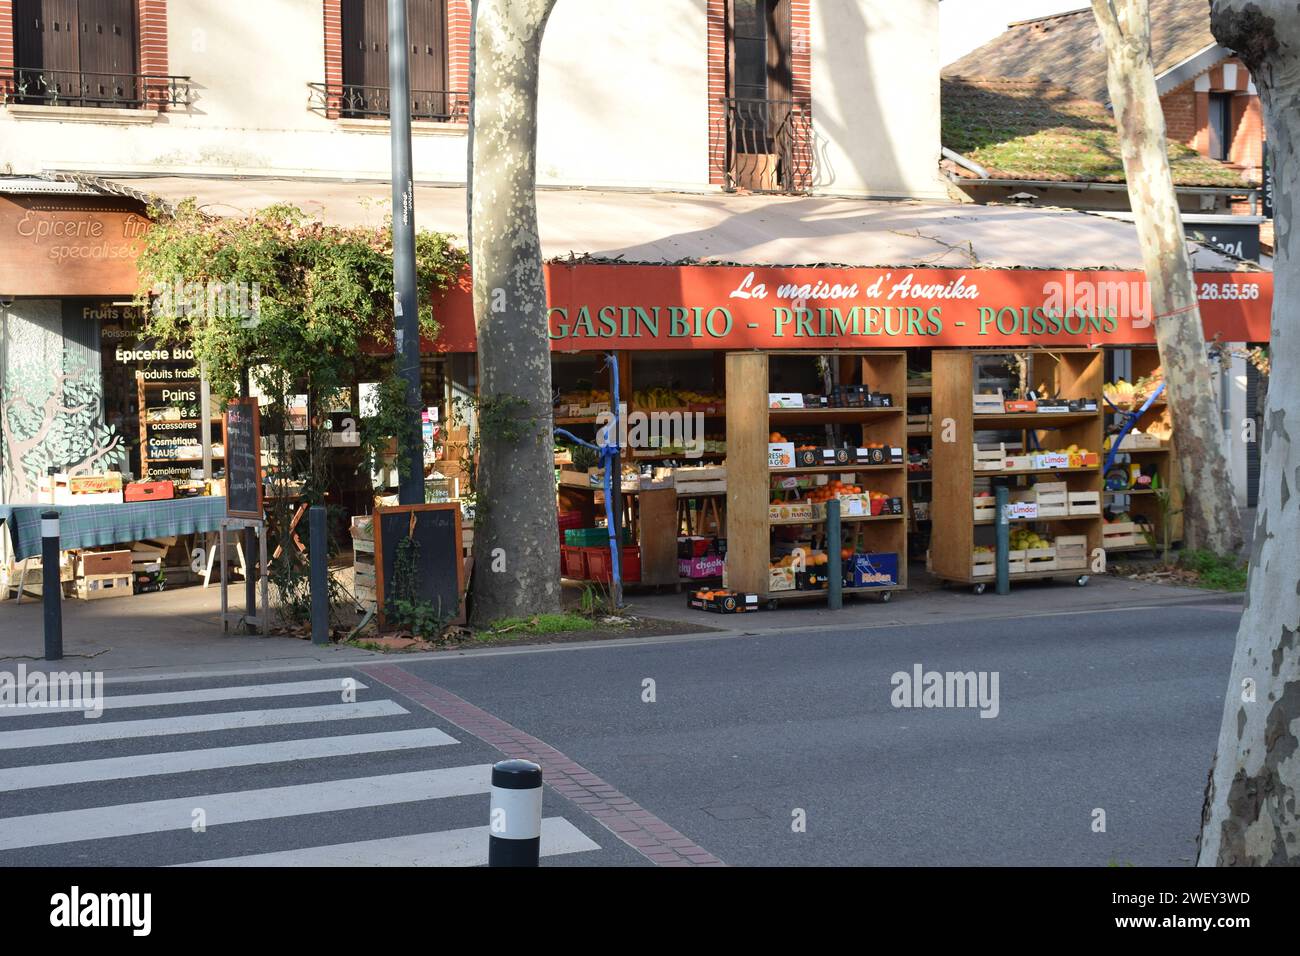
128, 819
184, 761
466, 847
195, 696
100, 729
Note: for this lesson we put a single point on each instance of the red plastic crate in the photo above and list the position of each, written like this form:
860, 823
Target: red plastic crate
569, 519
573, 564
598, 568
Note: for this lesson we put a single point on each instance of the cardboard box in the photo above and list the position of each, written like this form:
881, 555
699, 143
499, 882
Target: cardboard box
872, 456
1052, 406
705, 566
724, 602
780, 579
780, 455
149, 491
1020, 405
1052, 459
90, 563
791, 511
1019, 510
95, 587
874, 570
785, 400
1018, 463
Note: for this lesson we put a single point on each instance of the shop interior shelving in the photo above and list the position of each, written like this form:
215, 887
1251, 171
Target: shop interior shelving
920, 392
649, 382
1069, 374
751, 376
1143, 506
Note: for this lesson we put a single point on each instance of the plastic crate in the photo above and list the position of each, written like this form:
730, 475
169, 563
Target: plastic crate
568, 521
573, 564
590, 537
598, 565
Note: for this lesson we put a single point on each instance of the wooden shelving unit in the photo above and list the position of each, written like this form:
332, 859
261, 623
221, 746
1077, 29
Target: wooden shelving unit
1072, 374
750, 530
1163, 459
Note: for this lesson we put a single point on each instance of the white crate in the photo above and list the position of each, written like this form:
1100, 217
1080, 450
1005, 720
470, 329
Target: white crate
990, 459
1085, 502
1040, 559
986, 508
1071, 552
988, 404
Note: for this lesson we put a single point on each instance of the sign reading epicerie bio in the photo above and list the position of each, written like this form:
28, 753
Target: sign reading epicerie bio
603, 306
68, 246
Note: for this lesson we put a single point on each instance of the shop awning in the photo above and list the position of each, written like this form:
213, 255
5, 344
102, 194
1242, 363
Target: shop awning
745, 230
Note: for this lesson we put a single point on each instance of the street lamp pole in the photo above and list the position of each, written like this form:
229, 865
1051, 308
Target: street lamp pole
405, 307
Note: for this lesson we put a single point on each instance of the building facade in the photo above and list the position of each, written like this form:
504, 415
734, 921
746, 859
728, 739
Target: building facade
685, 95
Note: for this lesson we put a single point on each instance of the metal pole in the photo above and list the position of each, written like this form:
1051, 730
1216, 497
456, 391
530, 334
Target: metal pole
320, 597
515, 827
406, 309
51, 586
1004, 541
834, 565
250, 536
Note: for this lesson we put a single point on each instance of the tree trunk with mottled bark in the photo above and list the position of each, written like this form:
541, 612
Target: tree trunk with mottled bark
1210, 516
516, 546
1252, 803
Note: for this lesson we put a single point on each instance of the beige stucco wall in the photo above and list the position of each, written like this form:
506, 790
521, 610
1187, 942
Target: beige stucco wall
623, 102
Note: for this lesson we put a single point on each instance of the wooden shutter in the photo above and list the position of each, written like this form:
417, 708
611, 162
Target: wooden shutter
108, 50
365, 45
779, 75
45, 39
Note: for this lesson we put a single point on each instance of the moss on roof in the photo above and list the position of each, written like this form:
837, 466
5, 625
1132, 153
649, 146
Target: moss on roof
1027, 129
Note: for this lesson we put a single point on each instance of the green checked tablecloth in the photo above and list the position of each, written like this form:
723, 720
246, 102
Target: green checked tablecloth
85, 526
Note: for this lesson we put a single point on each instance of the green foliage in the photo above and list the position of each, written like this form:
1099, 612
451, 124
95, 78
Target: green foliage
538, 624
583, 457
1217, 572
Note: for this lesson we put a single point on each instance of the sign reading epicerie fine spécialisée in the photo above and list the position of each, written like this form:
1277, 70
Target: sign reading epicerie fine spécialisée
68, 246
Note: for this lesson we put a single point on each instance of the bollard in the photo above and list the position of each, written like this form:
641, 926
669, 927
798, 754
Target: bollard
1004, 541
834, 564
320, 592
51, 586
515, 830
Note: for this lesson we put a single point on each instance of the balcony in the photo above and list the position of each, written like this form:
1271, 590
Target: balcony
350, 101
769, 146
40, 87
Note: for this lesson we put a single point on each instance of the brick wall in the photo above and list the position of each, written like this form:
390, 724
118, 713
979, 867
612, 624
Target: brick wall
151, 16
333, 15
458, 37
6, 46
1179, 107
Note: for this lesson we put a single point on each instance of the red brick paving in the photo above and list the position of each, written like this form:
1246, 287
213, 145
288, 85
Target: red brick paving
634, 825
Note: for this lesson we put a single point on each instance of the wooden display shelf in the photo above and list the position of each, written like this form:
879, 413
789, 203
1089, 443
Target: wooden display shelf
1030, 421
749, 378
844, 519
830, 416
1072, 374
817, 469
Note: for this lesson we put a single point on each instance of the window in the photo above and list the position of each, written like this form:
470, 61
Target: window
1220, 123
76, 52
767, 132
365, 59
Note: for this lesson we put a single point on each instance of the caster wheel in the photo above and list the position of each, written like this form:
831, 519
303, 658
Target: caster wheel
979, 588
1081, 580
886, 597
770, 605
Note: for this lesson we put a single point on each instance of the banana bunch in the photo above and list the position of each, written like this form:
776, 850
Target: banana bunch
1122, 394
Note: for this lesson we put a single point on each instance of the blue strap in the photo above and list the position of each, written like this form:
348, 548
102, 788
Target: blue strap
1130, 420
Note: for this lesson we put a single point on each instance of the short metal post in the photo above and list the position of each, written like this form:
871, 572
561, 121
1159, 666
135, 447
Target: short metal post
1004, 541
320, 597
515, 828
51, 586
834, 564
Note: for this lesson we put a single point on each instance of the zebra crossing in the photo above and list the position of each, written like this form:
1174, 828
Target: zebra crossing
315, 772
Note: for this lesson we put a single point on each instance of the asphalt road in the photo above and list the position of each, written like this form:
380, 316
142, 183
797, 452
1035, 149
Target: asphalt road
744, 738
1112, 711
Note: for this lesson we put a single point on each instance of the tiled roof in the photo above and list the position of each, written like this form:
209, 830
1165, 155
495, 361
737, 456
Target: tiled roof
1066, 49
1027, 129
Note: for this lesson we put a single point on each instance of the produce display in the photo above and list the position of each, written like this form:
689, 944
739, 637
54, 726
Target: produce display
1131, 395
670, 398
1023, 539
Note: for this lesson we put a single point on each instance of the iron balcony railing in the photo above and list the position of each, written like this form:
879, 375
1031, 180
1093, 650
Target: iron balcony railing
769, 145
352, 101
40, 87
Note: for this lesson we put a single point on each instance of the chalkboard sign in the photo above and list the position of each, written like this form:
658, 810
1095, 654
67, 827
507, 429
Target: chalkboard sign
243, 436
440, 577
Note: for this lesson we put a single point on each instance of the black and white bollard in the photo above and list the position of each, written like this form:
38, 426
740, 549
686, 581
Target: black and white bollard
51, 586
515, 830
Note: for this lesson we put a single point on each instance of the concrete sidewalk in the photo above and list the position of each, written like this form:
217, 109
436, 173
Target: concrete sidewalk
179, 631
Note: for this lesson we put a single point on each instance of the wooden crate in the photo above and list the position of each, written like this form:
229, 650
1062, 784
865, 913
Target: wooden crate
1085, 502
988, 404
1071, 552
1053, 500
986, 508
983, 565
96, 587
1040, 559
1016, 561
1123, 534
990, 459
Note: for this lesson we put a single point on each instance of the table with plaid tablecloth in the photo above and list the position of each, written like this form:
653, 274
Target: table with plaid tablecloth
88, 526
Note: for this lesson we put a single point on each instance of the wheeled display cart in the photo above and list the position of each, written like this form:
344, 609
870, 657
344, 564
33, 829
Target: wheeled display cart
1047, 451
770, 485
